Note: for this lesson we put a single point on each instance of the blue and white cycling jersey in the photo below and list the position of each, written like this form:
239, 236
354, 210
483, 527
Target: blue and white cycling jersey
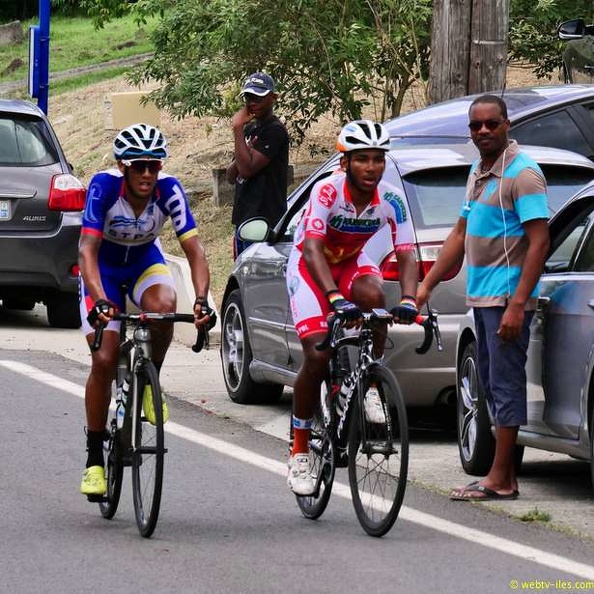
126, 238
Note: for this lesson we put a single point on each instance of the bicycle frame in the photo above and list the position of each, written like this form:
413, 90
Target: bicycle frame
363, 341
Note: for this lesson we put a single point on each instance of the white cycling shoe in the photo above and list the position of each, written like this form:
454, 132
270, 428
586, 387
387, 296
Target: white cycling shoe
374, 409
299, 479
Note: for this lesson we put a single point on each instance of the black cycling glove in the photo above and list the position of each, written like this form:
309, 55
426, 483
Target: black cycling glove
206, 310
344, 310
102, 306
406, 312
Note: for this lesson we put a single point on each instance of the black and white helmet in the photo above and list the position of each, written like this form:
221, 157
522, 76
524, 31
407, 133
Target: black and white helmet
363, 134
140, 141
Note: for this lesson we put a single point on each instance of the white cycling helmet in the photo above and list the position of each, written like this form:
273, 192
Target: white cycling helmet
140, 141
363, 134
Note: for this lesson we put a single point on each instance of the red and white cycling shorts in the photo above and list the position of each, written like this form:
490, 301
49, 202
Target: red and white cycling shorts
309, 305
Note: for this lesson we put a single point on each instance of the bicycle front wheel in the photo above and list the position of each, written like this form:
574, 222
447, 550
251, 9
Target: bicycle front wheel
378, 455
148, 451
323, 465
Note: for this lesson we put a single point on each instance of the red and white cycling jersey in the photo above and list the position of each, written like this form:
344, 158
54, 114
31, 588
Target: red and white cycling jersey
330, 215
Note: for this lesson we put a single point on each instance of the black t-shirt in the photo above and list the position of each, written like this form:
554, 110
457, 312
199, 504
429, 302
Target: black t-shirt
264, 194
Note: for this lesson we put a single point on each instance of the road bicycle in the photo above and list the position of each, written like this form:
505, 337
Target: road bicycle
131, 440
376, 454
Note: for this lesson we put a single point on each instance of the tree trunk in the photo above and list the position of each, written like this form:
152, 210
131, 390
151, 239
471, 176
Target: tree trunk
468, 47
488, 47
450, 49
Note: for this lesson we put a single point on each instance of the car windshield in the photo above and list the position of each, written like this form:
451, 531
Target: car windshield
436, 195
24, 142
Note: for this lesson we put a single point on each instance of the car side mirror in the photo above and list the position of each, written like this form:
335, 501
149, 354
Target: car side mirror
254, 230
574, 29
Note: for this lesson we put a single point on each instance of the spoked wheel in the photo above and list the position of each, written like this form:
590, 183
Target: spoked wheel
323, 466
378, 456
147, 453
114, 470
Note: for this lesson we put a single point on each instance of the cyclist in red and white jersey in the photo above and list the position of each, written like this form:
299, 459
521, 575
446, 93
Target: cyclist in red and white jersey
125, 210
328, 271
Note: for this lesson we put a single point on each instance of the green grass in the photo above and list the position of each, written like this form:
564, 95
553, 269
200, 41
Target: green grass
536, 515
74, 42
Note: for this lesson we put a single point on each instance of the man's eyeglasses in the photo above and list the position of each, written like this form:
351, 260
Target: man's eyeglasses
476, 125
140, 166
251, 98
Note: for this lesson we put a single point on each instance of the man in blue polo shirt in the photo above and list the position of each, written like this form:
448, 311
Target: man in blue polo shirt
503, 231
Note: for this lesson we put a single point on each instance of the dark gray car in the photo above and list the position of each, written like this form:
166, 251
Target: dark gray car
40, 216
260, 350
560, 366
578, 57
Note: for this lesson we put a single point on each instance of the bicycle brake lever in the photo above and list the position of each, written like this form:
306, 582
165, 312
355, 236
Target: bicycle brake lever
98, 337
201, 340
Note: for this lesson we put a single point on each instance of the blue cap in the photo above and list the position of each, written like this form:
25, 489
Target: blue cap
258, 83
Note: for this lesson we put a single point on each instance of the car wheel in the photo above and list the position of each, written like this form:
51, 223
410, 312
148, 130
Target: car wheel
236, 356
62, 310
22, 304
476, 444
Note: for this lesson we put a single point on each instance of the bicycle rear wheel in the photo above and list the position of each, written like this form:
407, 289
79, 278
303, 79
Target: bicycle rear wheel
114, 470
148, 452
323, 466
378, 455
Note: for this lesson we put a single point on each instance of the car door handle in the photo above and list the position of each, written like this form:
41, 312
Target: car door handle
591, 304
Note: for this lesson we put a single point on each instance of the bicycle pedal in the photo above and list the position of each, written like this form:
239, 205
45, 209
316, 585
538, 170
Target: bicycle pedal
97, 498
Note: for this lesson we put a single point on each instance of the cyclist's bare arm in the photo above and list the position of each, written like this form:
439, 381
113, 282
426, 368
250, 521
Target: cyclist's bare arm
196, 256
89, 268
407, 266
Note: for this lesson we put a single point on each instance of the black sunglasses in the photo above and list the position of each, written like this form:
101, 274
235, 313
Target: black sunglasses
140, 166
251, 98
476, 125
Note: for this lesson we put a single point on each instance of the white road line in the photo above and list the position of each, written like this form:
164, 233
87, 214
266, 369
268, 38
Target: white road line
426, 520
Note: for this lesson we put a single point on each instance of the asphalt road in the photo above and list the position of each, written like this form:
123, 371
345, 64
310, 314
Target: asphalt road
550, 483
228, 522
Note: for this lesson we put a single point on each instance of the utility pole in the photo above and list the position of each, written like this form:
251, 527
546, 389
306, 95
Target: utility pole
468, 47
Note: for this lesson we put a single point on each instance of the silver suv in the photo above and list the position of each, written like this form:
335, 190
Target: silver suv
259, 348
41, 204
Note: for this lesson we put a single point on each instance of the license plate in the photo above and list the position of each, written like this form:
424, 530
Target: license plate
5, 212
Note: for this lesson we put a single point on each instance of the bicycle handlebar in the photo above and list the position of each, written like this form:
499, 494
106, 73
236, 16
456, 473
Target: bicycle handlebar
143, 316
428, 323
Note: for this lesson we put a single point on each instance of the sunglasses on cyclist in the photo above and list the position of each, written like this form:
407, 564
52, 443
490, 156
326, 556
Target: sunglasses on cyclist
476, 125
141, 165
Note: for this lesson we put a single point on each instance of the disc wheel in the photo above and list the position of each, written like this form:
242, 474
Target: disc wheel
323, 466
114, 471
378, 456
148, 452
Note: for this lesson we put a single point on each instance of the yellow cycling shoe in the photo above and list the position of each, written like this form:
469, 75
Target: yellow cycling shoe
93, 481
147, 407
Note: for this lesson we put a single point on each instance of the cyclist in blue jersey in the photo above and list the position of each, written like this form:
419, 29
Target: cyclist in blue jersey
125, 210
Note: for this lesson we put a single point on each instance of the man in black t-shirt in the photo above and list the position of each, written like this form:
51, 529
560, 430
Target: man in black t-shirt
259, 168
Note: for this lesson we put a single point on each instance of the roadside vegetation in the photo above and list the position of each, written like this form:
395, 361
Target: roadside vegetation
75, 42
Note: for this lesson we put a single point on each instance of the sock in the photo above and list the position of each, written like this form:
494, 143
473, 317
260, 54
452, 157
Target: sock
301, 431
95, 448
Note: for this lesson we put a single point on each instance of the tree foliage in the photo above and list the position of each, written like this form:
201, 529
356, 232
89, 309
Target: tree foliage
328, 56
336, 56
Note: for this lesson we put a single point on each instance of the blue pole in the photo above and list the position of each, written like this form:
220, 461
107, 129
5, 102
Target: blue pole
44, 38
